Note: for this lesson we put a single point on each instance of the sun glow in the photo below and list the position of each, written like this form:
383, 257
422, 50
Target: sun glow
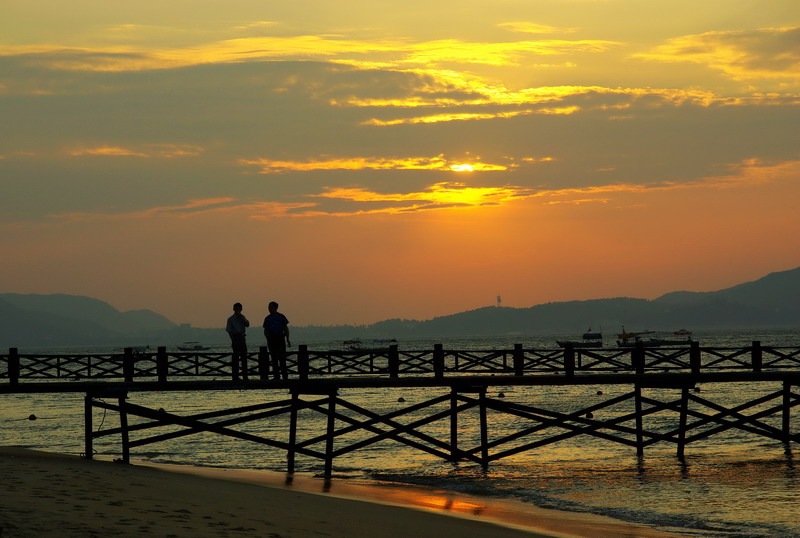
461, 167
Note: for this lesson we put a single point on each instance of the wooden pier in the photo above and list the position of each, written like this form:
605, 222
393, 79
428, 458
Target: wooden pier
656, 382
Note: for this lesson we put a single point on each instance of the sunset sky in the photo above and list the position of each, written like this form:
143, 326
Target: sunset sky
359, 161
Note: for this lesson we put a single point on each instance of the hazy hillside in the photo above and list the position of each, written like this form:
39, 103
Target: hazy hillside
45, 320
21, 327
770, 302
87, 309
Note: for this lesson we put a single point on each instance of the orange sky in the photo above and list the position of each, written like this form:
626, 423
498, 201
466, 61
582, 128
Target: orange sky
363, 164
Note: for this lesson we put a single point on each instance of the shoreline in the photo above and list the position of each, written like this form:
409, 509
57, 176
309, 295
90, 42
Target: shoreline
62, 495
504, 512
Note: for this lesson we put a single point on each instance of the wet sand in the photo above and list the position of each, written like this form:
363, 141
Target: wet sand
45, 494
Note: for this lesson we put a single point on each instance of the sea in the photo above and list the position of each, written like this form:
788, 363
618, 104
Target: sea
732, 484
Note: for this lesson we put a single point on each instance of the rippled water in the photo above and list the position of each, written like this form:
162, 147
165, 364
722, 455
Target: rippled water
731, 484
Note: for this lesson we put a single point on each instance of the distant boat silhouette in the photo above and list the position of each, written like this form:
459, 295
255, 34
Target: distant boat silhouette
193, 346
352, 345
590, 339
631, 339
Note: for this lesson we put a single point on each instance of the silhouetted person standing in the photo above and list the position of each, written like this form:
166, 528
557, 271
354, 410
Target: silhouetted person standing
276, 330
237, 327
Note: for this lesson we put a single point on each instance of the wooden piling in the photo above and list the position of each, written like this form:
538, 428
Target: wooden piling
637, 358
162, 364
302, 362
684, 410
235, 365
786, 412
453, 424
123, 426
128, 364
757, 356
569, 359
330, 434
519, 360
13, 365
694, 357
484, 429
263, 363
637, 390
292, 432
88, 428
438, 360
394, 362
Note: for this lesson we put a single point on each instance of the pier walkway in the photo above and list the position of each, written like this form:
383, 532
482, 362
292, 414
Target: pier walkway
658, 381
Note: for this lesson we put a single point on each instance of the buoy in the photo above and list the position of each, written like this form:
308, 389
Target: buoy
501, 395
589, 415
599, 392
401, 399
32, 417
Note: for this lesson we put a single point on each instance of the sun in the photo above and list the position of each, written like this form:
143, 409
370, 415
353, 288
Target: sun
461, 167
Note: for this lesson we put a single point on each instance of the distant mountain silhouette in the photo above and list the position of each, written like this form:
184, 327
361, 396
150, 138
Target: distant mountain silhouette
770, 302
53, 320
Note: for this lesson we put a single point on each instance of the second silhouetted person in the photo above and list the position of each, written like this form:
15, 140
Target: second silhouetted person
276, 330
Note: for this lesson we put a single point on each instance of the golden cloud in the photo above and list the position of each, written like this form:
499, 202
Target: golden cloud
533, 28
446, 87
748, 172
439, 162
444, 196
496, 54
464, 116
754, 171
452, 116
565, 100
258, 25
153, 150
440, 193
107, 151
448, 195
302, 47
191, 207
767, 53
439, 196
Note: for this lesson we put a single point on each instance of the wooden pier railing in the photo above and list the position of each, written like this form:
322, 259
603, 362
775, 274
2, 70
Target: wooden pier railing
661, 389
164, 366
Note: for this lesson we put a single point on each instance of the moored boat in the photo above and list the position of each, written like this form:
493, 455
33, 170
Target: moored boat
354, 344
589, 339
193, 346
632, 339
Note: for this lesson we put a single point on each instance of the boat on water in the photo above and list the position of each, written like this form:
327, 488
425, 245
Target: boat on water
632, 339
193, 346
378, 344
353, 344
589, 339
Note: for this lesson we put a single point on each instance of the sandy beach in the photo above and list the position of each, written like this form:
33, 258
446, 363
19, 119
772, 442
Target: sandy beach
47, 494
